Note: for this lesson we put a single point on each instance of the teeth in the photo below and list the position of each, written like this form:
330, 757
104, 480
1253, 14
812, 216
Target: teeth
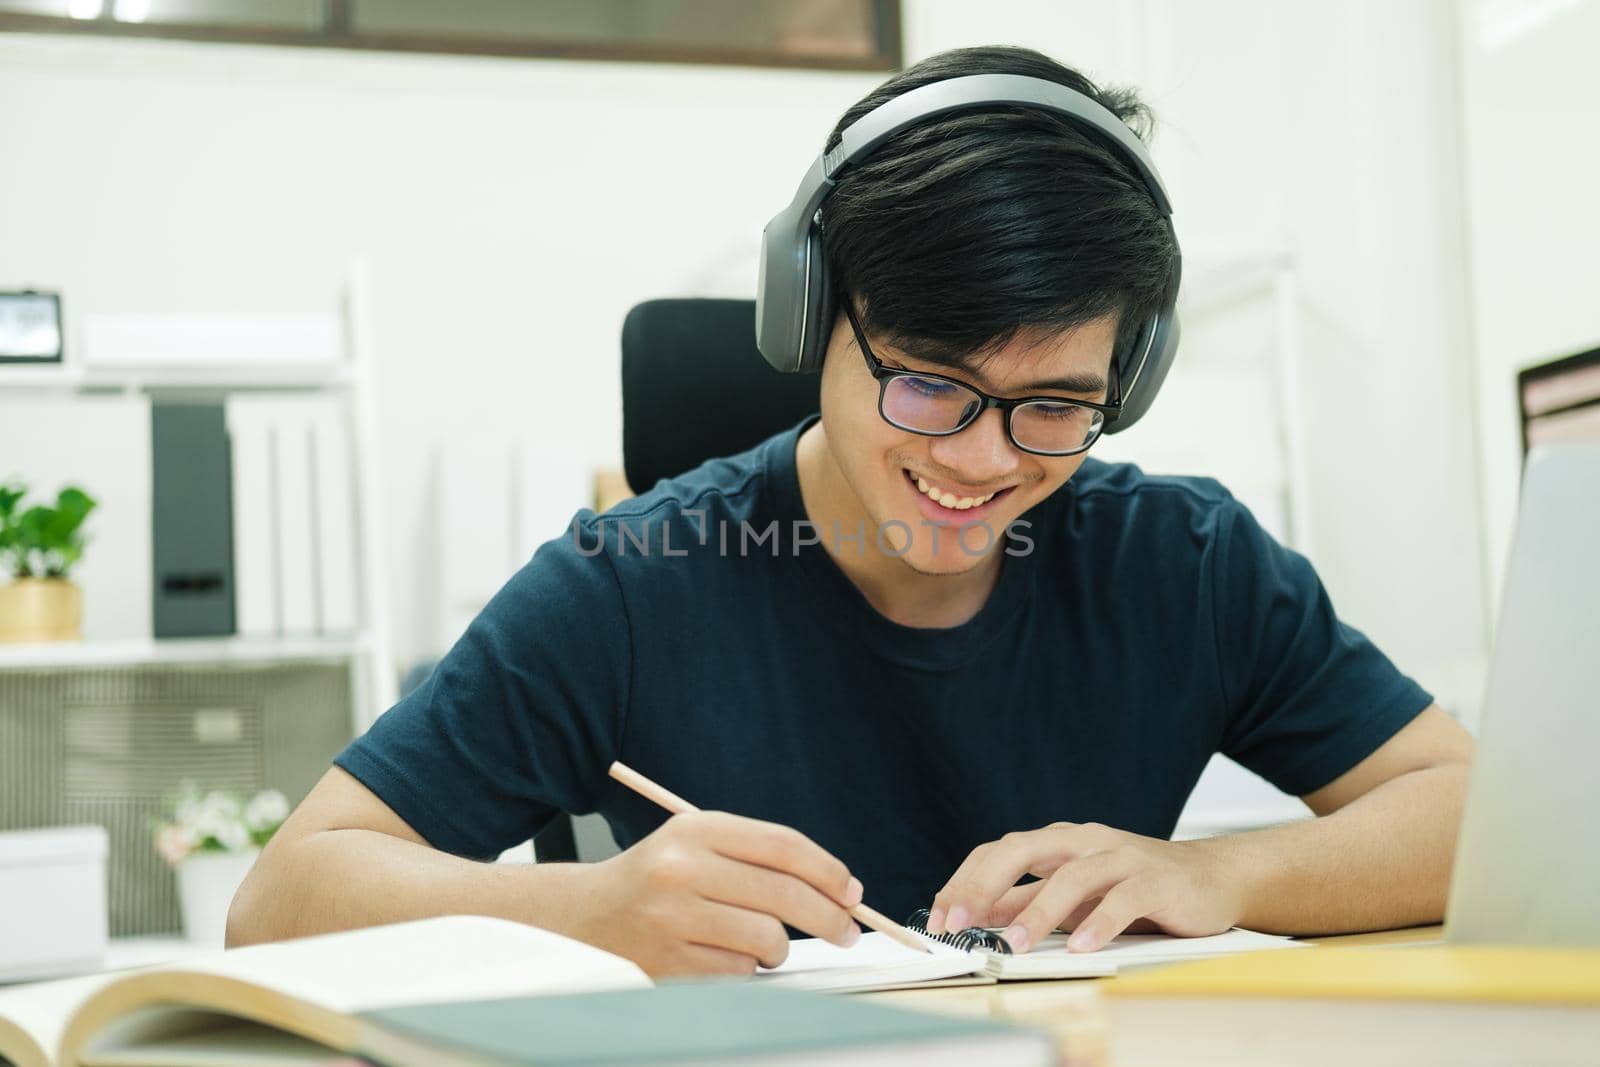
949, 499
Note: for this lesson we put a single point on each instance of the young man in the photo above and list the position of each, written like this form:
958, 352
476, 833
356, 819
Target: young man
921, 649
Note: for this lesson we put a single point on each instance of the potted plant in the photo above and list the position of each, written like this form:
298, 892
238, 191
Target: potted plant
211, 840
38, 546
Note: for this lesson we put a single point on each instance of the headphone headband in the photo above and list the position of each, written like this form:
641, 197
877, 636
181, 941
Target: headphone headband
794, 300
982, 91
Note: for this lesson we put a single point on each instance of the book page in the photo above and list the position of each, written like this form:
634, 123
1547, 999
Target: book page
875, 962
314, 986
1051, 959
41, 1010
459, 957
227, 1043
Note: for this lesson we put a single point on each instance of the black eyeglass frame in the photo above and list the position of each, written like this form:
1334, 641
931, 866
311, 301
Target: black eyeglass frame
883, 375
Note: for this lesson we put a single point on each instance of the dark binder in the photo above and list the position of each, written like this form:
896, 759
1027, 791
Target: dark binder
191, 520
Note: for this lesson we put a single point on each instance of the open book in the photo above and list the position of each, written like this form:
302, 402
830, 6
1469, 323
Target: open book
878, 962
315, 1001
295, 1002
462, 991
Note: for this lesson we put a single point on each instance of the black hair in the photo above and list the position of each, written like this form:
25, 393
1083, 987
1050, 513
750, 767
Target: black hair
958, 233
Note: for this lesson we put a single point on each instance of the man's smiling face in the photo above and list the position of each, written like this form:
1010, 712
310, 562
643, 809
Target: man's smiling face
900, 477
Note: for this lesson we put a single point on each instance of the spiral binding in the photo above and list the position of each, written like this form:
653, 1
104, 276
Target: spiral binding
973, 937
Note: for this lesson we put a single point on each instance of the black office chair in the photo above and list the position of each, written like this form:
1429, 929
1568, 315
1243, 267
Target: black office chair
694, 387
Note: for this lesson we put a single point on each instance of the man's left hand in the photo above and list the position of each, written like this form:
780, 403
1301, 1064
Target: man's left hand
1094, 881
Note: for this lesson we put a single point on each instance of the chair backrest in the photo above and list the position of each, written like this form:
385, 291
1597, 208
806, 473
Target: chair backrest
694, 387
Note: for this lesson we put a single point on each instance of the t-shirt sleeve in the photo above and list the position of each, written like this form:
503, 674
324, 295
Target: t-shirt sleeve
521, 717
1308, 697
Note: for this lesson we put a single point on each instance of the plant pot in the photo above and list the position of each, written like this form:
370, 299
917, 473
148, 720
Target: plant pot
40, 609
207, 882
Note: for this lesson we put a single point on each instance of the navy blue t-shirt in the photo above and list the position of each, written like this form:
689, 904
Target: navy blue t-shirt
1150, 624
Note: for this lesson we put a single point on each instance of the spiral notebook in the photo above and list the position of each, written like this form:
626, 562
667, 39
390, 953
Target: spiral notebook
976, 955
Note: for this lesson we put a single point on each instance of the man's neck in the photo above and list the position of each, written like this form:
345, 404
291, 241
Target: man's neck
890, 586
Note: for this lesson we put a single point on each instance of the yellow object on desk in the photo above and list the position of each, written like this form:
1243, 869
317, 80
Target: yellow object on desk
1461, 1006
1438, 972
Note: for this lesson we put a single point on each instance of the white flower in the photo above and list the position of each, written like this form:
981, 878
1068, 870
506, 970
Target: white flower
232, 836
214, 825
219, 806
214, 819
266, 811
174, 842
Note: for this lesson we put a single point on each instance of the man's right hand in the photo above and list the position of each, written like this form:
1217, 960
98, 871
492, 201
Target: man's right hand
709, 893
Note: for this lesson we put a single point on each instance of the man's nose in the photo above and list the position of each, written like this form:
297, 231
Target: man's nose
979, 453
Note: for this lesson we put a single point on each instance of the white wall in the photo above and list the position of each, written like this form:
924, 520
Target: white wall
513, 211
1530, 103
1328, 131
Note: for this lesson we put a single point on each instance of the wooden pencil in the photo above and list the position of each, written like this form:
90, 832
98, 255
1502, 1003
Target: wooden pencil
678, 806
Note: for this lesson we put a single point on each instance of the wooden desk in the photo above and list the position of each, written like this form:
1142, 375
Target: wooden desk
1072, 1010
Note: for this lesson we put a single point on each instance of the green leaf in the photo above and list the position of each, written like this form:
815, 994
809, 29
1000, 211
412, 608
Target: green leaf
33, 528
68, 515
53, 534
11, 495
75, 501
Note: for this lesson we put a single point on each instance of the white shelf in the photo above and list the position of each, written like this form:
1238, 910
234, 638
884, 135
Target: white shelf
199, 651
138, 354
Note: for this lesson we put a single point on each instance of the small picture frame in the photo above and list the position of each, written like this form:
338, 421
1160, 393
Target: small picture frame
30, 328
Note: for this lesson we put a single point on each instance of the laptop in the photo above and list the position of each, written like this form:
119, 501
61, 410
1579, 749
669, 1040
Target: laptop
1527, 868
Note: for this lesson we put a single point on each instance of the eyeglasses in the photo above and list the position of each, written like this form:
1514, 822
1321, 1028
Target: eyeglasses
936, 406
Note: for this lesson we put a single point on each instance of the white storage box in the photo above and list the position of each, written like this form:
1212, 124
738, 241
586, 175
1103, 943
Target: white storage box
52, 902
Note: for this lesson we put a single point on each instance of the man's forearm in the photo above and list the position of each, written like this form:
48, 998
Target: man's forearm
347, 878
1381, 861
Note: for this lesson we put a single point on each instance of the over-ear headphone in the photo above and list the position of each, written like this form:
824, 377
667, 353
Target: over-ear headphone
794, 299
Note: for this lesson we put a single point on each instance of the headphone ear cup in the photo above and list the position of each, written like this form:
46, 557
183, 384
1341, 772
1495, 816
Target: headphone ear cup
781, 290
820, 306
1142, 383
1162, 348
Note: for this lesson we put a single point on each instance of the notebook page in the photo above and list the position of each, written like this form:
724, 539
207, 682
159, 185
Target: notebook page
875, 962
1052, 960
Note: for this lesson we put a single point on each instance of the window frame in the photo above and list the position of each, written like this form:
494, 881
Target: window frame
336, 32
